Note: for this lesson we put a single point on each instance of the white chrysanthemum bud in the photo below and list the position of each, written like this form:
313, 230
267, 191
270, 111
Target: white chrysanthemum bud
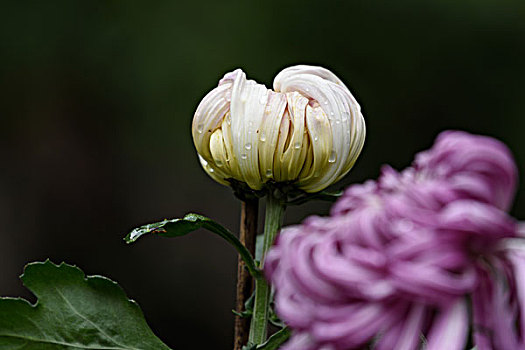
308, 131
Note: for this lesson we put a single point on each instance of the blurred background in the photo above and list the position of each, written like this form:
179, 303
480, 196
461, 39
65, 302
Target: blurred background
97, 99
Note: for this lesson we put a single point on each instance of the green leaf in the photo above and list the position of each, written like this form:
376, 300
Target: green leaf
73, 312
189, 223
274, 319
248, 307
249, 346
275, 340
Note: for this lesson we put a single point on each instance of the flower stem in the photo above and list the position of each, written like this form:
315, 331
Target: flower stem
272, 223
247, 234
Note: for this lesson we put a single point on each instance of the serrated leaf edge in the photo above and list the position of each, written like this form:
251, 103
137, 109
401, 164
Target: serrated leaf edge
86, 278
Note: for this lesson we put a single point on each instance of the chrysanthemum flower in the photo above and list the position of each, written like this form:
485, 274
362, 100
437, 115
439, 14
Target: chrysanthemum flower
308, 131
401, 260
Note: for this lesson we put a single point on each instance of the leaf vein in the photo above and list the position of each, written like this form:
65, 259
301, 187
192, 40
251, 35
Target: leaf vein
48, 341
91, 322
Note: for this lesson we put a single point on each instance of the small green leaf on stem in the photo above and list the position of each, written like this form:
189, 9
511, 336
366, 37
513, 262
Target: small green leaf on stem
73, 312
276, 340
189, 223
248, 307
274, 319
243, 314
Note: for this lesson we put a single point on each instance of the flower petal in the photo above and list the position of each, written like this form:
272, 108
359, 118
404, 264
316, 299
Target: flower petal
291, 154
484, 166
269, 133
320, 133
405, 335
208, 117
248, 104
517, 257
450, 329
328, 92
493, 316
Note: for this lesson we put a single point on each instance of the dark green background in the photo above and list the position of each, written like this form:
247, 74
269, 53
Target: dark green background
97, 99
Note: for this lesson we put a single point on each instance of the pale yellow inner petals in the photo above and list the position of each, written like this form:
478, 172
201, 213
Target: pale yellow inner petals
290, 148
320, 146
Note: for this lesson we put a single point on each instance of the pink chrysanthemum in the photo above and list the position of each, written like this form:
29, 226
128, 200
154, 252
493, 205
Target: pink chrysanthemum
400, 261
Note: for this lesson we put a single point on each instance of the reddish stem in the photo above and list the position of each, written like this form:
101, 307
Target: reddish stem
247, 235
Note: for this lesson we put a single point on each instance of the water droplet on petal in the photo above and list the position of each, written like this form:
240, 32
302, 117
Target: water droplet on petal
297, 145
332, 113
248, 146
332, 157
263, 137
211, 170
268, 173
244, 156
307, 90
316, 138
325, 102
218, 163
200, 128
